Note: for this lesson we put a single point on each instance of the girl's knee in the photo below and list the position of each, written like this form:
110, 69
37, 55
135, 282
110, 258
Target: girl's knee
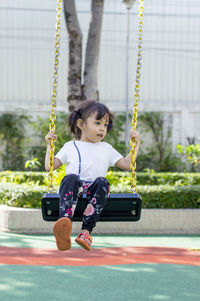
102, 181
72, 178
70, 181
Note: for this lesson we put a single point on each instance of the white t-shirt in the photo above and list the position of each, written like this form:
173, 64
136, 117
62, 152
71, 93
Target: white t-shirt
95, 158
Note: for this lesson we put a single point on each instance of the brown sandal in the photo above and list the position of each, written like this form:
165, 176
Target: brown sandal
62, 232
82, 240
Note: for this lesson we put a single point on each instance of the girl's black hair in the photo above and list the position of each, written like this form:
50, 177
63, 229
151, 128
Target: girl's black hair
83, 111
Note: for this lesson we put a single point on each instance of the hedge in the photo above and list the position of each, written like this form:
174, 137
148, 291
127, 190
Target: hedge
163, 196
20, 177
155, 178
21, 195
170, 178
114, 177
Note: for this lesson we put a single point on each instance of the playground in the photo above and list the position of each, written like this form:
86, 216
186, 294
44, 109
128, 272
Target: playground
118, 267
161, 267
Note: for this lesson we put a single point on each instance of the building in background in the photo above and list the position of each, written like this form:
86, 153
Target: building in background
171, 58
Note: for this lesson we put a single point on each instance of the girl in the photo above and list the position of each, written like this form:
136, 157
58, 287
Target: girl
88, 159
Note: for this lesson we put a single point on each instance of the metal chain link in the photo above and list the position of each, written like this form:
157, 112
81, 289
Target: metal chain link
52, 126
136, 96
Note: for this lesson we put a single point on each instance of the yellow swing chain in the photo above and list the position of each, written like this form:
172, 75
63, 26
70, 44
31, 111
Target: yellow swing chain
52, 126
136, 95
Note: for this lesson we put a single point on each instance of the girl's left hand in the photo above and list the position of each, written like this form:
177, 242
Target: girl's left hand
136, 135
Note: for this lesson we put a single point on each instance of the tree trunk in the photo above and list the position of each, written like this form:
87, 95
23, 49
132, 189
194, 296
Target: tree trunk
92, 51
75, 54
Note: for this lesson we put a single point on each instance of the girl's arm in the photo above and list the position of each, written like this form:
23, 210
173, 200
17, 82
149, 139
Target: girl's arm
57, 162
124, 163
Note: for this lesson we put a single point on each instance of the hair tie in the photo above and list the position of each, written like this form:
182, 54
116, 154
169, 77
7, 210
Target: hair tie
79, 114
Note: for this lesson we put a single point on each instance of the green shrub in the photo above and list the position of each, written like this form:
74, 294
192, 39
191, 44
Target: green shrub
191, 152
166, 196
26, 196
169, 178
13, 139
114, 177
20, 177
158, 154
154, 178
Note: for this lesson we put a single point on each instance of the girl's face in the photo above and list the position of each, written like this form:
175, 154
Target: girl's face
93, 130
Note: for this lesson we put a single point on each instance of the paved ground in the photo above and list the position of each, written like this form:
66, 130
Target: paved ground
139, 268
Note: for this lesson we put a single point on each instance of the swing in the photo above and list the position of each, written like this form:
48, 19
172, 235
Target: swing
120, 206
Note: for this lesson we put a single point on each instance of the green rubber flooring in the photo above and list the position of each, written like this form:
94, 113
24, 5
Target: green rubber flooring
103, 241
140, 282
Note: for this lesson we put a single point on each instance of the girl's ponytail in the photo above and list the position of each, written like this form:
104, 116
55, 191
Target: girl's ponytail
72, 122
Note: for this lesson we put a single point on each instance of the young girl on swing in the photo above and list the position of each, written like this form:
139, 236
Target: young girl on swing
88, 159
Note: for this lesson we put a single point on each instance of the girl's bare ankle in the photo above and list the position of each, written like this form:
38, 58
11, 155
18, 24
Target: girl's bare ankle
86, 231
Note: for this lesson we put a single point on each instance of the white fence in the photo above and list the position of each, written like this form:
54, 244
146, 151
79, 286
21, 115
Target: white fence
171, 58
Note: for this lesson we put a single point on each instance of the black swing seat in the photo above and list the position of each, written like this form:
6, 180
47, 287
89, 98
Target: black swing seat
121, 207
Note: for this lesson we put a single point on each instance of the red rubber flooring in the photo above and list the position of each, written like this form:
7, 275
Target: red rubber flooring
96, 257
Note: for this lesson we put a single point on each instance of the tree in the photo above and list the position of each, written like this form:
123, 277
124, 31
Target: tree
86, 88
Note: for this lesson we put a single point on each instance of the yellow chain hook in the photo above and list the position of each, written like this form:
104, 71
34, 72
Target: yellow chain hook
137, 95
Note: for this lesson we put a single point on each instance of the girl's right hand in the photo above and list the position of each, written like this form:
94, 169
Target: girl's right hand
50, 136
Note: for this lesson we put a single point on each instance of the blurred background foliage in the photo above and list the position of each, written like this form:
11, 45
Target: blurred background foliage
23, 141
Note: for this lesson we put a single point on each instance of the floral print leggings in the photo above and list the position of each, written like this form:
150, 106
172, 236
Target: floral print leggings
97, 193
